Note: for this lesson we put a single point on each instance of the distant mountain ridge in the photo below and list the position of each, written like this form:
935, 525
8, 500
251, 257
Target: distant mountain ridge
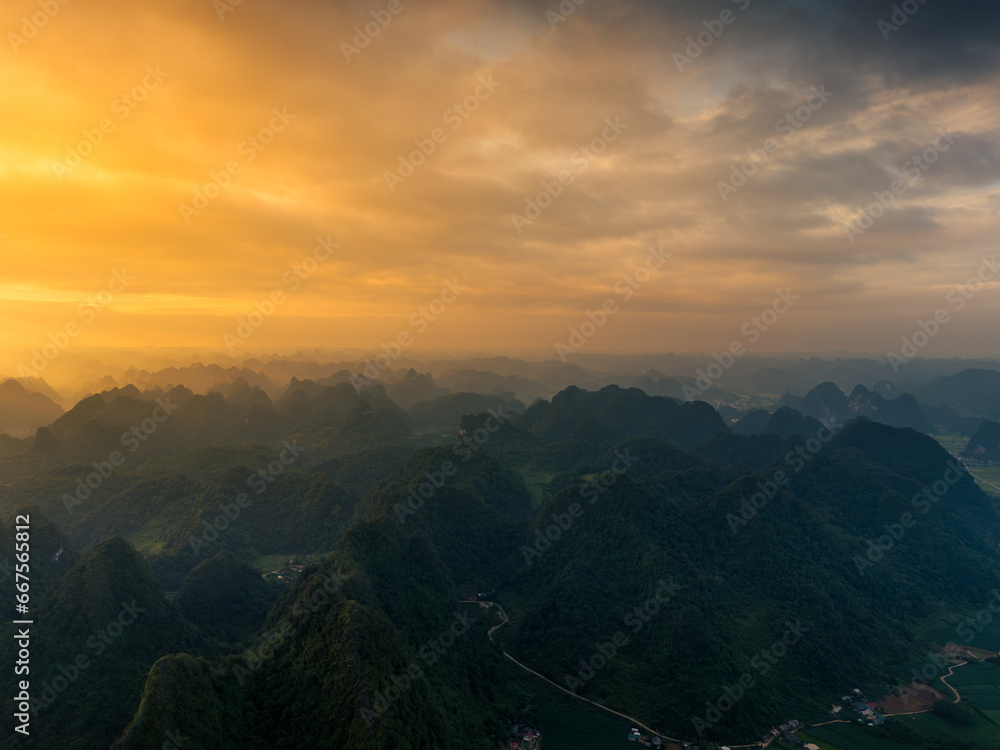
23, 411
971, 392
827, 401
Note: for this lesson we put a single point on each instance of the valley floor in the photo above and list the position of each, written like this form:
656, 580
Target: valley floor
567, 729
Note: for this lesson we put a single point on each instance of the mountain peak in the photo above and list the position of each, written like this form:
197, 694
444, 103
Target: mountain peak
12, 386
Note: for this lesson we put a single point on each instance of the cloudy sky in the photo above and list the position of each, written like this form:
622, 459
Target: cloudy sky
199, 149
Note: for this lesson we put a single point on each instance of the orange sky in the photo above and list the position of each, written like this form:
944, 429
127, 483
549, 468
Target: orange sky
179, 92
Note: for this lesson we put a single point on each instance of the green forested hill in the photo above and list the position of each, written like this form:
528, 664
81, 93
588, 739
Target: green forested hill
667, 564
742, 574
97, 633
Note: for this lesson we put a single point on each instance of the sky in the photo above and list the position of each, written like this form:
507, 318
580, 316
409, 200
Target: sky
488, 176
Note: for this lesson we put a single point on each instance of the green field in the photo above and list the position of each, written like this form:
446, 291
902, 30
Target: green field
979, 683
148, 540
567, 729
847, 737
267, 563
807, 737
982, 734
536, 483
956, 444
949, 628
990, 476
952, 442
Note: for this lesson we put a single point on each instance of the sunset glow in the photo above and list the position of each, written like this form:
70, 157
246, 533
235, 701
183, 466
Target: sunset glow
203, 148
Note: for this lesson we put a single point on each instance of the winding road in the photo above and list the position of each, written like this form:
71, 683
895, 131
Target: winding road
632, 719
506, 619
635, 721
951, 687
